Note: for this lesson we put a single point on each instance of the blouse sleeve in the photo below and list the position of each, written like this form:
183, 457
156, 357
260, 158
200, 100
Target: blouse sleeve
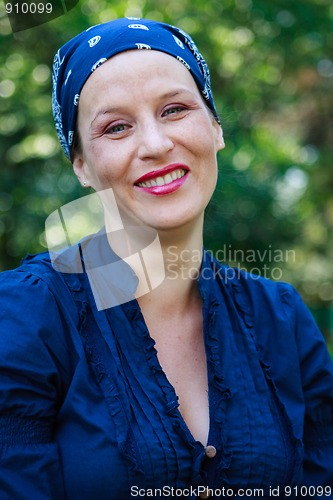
294, 355
34, 364
317, 380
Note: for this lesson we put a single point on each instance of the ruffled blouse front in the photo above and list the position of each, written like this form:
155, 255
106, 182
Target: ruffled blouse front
114, 427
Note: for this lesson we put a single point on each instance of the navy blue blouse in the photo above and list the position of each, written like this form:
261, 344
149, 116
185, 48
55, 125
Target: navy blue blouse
88, 413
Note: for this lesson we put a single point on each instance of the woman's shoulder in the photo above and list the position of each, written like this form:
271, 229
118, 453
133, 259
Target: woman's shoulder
31, 266
277, 315
262, 289
253, 287
274, 309
25, 281
35, 275
35, 302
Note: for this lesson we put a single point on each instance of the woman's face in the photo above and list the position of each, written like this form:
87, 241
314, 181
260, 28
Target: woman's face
147, 134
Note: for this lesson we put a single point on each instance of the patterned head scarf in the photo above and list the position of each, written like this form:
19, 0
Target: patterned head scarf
81, 56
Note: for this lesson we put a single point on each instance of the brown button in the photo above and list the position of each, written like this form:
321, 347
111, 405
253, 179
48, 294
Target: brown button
210, 451
205, 494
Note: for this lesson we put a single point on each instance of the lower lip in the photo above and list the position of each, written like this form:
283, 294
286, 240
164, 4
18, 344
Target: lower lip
166, 188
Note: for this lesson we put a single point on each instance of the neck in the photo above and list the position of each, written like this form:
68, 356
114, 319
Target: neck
182, 253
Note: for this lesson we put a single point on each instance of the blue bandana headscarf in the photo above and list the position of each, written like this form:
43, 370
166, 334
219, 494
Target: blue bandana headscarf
78, 58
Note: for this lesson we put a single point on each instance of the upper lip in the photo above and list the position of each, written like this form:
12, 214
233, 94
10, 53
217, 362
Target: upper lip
161, 172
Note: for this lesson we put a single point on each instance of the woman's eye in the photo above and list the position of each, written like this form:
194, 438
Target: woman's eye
116, 129
174, 110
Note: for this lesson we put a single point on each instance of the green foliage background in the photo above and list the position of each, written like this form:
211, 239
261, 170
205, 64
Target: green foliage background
272, 75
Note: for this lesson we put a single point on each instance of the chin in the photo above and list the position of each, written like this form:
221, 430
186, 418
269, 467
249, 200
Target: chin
168, 223
171, 216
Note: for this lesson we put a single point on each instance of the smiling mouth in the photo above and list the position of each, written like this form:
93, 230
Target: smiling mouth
163, 180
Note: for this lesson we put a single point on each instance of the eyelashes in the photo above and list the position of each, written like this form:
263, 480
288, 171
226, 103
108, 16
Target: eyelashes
119, 129
173, 110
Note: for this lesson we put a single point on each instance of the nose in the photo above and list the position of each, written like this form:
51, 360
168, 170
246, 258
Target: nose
154, 140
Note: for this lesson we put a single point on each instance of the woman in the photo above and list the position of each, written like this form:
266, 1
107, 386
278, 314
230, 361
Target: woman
210, 384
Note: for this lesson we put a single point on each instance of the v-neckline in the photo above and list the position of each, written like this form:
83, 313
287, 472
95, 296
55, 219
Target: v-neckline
164, 382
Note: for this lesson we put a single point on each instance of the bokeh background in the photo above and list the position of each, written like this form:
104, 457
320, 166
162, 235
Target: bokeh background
272, 74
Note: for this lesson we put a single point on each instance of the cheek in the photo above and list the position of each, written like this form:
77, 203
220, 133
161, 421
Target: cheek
106, 178
106, 167
200, 136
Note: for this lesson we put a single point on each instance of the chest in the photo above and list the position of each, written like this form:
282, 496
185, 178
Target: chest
182, 356
122, 413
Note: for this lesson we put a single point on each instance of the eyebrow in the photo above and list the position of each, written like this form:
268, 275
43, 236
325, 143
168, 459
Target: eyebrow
106, 111
176, 92
117, 109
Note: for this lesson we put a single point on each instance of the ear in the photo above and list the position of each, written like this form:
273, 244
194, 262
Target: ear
219, 140
81, 170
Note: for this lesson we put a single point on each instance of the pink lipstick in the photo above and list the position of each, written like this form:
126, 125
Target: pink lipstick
163, 181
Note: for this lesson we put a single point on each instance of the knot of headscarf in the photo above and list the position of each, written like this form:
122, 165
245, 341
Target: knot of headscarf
82, 55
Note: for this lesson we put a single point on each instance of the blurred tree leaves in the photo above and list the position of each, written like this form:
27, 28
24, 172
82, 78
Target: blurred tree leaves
272, 75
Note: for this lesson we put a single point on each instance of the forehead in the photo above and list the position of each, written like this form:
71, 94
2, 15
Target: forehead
138, 67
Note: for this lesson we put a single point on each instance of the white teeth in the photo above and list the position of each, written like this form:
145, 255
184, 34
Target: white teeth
160, 181
166, 179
